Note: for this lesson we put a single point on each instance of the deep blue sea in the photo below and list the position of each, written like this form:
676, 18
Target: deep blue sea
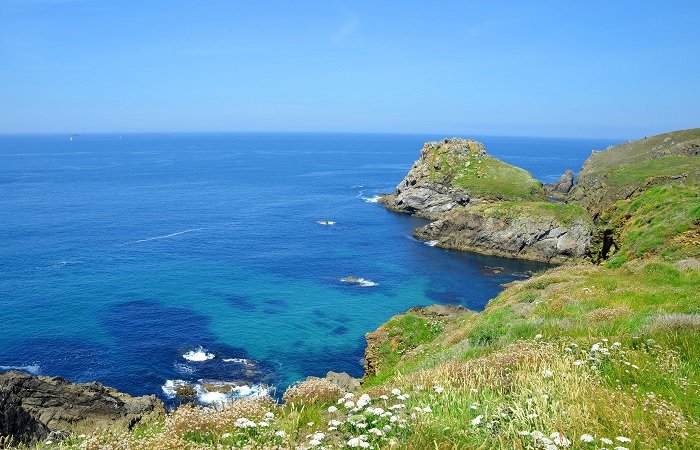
138, 259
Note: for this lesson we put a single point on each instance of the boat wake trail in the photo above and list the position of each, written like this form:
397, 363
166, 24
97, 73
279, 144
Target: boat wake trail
165, 236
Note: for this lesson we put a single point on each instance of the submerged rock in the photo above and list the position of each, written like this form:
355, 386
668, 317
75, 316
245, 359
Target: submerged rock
34, 407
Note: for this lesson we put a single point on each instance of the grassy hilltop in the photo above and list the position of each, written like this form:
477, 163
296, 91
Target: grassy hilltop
592, 355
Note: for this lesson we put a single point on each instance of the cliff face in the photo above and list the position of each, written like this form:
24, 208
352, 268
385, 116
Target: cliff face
490, 230
31, 407
456, 172
624, 170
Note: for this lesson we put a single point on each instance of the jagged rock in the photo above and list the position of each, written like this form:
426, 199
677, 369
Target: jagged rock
489, 231
562, 186
426, 190
343, 381
33, 407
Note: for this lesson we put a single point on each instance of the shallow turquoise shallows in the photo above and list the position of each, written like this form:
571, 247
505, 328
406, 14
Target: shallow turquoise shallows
140, 260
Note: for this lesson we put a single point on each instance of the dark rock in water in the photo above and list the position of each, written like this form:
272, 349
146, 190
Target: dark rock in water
562, 186
343, 381
32, 407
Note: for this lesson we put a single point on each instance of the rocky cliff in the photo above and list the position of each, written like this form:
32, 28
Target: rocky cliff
456, 172
537, 231
34, 407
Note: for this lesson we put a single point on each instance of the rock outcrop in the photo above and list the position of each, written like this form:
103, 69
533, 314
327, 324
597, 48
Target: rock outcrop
427, 190
528, 231
35, 407
562, 186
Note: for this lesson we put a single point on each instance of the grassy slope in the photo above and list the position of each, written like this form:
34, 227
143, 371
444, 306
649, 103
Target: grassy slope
484, 176
511, 210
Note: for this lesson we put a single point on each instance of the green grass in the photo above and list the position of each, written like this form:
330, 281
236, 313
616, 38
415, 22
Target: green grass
639, 172
492, 178
637, 151
483, 175
663, 221
563, 213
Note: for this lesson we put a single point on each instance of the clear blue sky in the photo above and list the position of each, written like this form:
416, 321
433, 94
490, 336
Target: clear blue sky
545, 68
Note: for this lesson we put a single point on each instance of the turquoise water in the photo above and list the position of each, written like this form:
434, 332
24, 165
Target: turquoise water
121, 254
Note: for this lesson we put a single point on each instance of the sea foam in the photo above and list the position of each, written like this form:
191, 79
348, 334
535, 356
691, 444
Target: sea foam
198, 355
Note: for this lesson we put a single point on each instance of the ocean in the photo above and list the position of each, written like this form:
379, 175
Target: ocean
147, 260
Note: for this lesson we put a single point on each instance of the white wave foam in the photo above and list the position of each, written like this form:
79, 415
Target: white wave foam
356, 186
374, 199
236, 392
184, 369
359, 281
166, 236
244, 361
198, 355
171, 385
431, 243
325, 222
34, 369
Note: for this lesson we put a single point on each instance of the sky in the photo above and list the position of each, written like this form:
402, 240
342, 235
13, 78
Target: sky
621, 69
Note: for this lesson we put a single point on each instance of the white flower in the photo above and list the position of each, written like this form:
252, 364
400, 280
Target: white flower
384, 397
559, 439
606, 441
397, 406
310, 424
280, 433
438, 389
550, 446
348, 396
334, 423
332, 409
623, 439
376, 431
314, 442
363, 400
349, 404
332, 428
477, 420
621, 448
396, 391
242, 422
474, 405
225, 435
386, 428
427, 409
263, 424
402, 397
81, 436
393, 419
361, 425
587, 438
547, 374
524, 433
358, 442
473, 390
595, 347
538, 336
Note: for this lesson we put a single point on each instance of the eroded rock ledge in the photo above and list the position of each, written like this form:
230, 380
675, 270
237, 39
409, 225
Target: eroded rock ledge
34, 407
493, 230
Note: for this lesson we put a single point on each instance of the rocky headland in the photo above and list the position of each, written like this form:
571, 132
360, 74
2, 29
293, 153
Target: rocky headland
480, 204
